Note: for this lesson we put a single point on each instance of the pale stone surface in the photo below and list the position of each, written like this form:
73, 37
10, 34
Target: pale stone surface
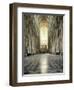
43, 63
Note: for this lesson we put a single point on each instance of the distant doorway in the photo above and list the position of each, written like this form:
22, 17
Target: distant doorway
44, 38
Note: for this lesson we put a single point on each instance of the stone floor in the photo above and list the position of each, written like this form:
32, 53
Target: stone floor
43, 63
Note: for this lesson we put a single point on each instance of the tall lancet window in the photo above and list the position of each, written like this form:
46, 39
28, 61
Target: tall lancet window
43, 35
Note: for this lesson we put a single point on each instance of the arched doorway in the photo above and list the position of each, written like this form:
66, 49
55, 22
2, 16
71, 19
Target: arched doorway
44, 35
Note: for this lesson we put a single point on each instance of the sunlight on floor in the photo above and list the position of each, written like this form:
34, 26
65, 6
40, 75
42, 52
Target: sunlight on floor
43, 65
